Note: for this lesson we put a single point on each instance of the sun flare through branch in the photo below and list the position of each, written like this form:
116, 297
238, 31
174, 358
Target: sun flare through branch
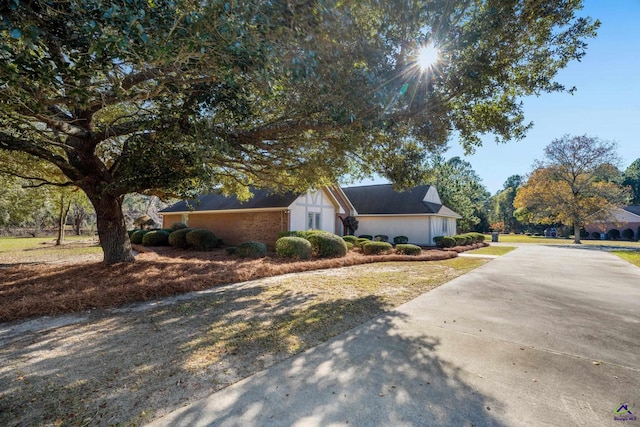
427, 56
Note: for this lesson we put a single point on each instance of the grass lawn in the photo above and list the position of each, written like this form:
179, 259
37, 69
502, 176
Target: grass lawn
521, 238
493, 250
29, 249
632, 257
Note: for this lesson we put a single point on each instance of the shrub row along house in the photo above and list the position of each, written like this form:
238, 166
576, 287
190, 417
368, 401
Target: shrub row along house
378, 209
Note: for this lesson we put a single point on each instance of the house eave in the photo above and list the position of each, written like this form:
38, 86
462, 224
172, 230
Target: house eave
403, 215
222, 211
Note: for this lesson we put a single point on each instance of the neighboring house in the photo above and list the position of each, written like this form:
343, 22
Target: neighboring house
417, 213
262, 217
619, 219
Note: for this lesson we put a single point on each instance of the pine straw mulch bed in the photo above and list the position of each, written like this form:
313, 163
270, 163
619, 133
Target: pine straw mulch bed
28, 290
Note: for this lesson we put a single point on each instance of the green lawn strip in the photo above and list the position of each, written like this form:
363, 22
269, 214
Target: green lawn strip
27, 248
632, 257
521, 238
492, 250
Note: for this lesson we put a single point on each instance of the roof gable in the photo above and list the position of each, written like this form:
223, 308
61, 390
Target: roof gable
634, 209
384, 200
262, 199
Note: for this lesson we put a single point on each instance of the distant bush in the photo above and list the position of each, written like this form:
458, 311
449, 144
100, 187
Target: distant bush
352, 239
178, 238
406, 249
251, 250
156, 238
595, 235
178, 226
627, 233
613, 234
293, 247
361, 241
136, 236
366, 236
376, 248
201, 239
400, 240
327, 245
381, 238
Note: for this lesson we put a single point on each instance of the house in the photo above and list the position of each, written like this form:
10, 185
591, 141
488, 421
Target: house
417, 213
262, 217
619, 219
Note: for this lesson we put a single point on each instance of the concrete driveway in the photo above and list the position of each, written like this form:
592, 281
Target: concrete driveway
543, 336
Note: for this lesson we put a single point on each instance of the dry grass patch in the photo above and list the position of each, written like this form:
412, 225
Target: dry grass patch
131, 367
47, 289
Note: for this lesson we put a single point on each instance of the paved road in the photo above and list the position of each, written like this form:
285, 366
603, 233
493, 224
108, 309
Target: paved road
543, 336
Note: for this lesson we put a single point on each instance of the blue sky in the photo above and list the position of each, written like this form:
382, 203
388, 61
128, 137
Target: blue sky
606, 103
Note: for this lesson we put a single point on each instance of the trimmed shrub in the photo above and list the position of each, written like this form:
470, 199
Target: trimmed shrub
251, 250
439, 241
461, 240
293, 247
201, 239
361, 241
627, 233
156, 238
448, 242
406, 249
178, 226
230, 250
130, 232
350, 239
381, 238
178, 238
613, 234
327, 245
136, 236
302, 234
350, 246
477, 237
376, 248
366, 236
595, 235
400, 240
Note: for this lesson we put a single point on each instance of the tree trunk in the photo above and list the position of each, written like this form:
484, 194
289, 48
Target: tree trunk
112, 229
62, 219
576, 232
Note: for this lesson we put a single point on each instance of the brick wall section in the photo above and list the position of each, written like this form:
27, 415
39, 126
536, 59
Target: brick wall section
235, 228
169, 219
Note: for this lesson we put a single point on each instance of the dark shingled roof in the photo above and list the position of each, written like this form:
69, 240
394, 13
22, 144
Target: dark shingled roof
261, 199
634, 209
384, 200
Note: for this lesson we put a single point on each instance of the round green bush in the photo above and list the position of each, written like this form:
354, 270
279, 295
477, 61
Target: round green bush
477, 237
406, 249
251, 250
201, 239
178, 238
448, 242
178, 226
595, 235
298, 233
361, 241
461, 240
136, 236
366, 236
376, 248
327, 245
352, 239
350, 246
381, 238
130, 232
438, 240
230, 250
156, 238
293, 247
400, 240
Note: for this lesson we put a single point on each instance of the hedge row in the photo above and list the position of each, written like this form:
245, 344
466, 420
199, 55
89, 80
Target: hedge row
177, 236
458, 240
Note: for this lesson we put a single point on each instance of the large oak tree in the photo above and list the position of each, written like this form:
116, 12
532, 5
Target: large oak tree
178, 96
576, 182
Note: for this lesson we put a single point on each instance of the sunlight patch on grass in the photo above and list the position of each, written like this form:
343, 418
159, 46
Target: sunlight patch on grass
632, 257
521, 238
492, 250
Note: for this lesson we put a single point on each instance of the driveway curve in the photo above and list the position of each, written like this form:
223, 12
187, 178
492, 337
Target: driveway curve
544, 336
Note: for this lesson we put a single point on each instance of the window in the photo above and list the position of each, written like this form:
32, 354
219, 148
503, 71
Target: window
313, 221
